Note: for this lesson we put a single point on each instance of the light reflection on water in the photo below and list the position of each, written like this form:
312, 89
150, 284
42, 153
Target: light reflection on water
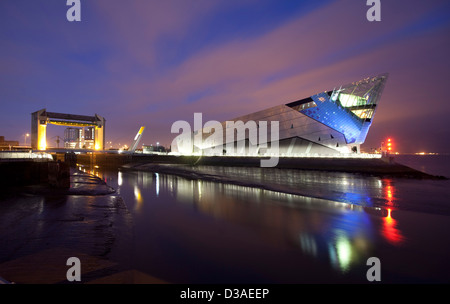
390, 231
203, 231
336, 186
337, 234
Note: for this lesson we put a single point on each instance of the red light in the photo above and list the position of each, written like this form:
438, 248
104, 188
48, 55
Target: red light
389, 196
390, 231
389, 145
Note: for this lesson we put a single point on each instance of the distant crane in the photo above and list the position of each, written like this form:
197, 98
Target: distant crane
57, 140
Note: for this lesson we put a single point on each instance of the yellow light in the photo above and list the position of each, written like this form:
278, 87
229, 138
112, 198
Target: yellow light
139, 133
138, 197
389, 214
42, 135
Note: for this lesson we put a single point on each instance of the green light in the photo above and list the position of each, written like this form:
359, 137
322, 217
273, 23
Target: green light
348, 100
344, 252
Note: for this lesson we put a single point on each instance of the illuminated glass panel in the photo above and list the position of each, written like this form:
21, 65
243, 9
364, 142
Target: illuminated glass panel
364, 113
307, 105
348, 100
334, 116
348, 109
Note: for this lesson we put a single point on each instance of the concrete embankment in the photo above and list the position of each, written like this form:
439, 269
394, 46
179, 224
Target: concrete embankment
29, 172
371, 166
386, 167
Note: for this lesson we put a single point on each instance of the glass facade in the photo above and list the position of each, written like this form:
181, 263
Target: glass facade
350, 108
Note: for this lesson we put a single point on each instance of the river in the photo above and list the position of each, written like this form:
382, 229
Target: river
295, 227
196, 231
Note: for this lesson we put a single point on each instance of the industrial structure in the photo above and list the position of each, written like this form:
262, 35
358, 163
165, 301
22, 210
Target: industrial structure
333, 122
7, 144
40, 119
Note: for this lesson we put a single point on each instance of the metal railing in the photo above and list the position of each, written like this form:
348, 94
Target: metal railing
24, 155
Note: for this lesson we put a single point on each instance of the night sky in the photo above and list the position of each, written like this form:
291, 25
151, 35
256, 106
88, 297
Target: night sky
141, 62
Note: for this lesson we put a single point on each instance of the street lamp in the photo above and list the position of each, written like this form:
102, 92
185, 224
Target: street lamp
26, 135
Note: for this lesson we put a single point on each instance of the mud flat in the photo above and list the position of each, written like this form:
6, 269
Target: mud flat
42, 226
81, 183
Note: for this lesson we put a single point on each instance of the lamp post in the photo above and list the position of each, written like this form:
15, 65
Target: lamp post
26, 135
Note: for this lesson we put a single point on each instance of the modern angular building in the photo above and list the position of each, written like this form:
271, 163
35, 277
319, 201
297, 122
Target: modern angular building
328, 123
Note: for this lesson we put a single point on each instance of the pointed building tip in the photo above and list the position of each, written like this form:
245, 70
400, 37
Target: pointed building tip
383, 76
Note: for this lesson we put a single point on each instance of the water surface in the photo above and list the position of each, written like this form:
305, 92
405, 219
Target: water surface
194, 231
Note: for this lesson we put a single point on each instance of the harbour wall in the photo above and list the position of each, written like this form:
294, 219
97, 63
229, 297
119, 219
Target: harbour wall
385, 166
28, 172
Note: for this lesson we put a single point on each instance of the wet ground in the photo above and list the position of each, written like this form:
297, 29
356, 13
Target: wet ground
41, 228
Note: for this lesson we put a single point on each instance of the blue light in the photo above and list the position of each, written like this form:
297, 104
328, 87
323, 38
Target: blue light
332, 115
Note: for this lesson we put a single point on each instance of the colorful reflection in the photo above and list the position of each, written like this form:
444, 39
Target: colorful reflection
343, 252
138, 197
351, 238
92, 170
390, 231
389, 193
340, 234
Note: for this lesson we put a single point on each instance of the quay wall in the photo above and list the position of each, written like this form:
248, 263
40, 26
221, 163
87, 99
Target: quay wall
29, 172
372, 166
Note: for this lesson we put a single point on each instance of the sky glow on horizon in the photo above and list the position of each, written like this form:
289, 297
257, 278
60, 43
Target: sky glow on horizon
151, 63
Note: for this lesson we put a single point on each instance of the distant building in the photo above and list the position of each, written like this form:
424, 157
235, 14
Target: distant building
72, 138
7, 144
152, 149
89, 138
89, 133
